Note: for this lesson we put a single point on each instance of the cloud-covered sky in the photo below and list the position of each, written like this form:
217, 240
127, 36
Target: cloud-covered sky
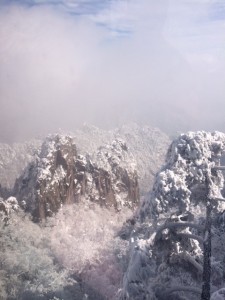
106, 62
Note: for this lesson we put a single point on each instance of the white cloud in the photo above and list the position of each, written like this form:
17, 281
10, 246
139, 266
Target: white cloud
60, 70
192, 27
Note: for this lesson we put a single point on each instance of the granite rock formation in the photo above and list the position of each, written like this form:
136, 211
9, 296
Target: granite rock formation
147, 145
60, 175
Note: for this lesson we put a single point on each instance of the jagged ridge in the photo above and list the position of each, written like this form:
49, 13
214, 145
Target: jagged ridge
147, 145
61, 176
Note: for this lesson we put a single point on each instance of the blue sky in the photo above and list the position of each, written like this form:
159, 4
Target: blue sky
63, 63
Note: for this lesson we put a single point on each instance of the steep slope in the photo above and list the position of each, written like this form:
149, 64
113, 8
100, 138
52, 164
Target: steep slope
166, 255
147, 145
60, 175
13, 160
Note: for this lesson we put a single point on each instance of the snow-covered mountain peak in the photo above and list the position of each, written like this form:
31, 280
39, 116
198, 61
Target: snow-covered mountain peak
181, 183
60, 176
146, 144
166, 260
197, 147
114, 155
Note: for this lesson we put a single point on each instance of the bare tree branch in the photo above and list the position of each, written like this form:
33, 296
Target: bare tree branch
222, 168
175, 225
164, 293
190, 236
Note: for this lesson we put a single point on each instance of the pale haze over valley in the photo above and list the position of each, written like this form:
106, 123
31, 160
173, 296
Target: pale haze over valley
64, 63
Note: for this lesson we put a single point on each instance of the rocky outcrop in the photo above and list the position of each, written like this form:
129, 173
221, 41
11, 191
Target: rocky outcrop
60, 175
166, 254
147, 145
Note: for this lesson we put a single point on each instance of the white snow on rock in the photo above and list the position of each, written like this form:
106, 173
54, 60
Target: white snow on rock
147, 145
60, 175
166, 259
181, 182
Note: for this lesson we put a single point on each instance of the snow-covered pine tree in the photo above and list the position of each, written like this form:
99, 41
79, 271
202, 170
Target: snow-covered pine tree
174, 223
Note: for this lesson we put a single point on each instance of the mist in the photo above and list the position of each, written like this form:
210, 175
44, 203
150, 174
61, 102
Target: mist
65, 63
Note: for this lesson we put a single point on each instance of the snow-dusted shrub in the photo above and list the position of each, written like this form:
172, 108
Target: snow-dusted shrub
27, 263
83, 240
7, 207
79, 242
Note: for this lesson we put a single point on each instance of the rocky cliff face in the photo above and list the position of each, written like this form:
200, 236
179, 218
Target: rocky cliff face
147, 145
166, 254
60, 175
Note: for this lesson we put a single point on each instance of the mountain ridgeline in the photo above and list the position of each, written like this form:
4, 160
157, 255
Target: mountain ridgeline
99, 226
61, 176
79, 188
111, 168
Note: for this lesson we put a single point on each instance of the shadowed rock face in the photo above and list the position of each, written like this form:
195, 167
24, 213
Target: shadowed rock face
62, 176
